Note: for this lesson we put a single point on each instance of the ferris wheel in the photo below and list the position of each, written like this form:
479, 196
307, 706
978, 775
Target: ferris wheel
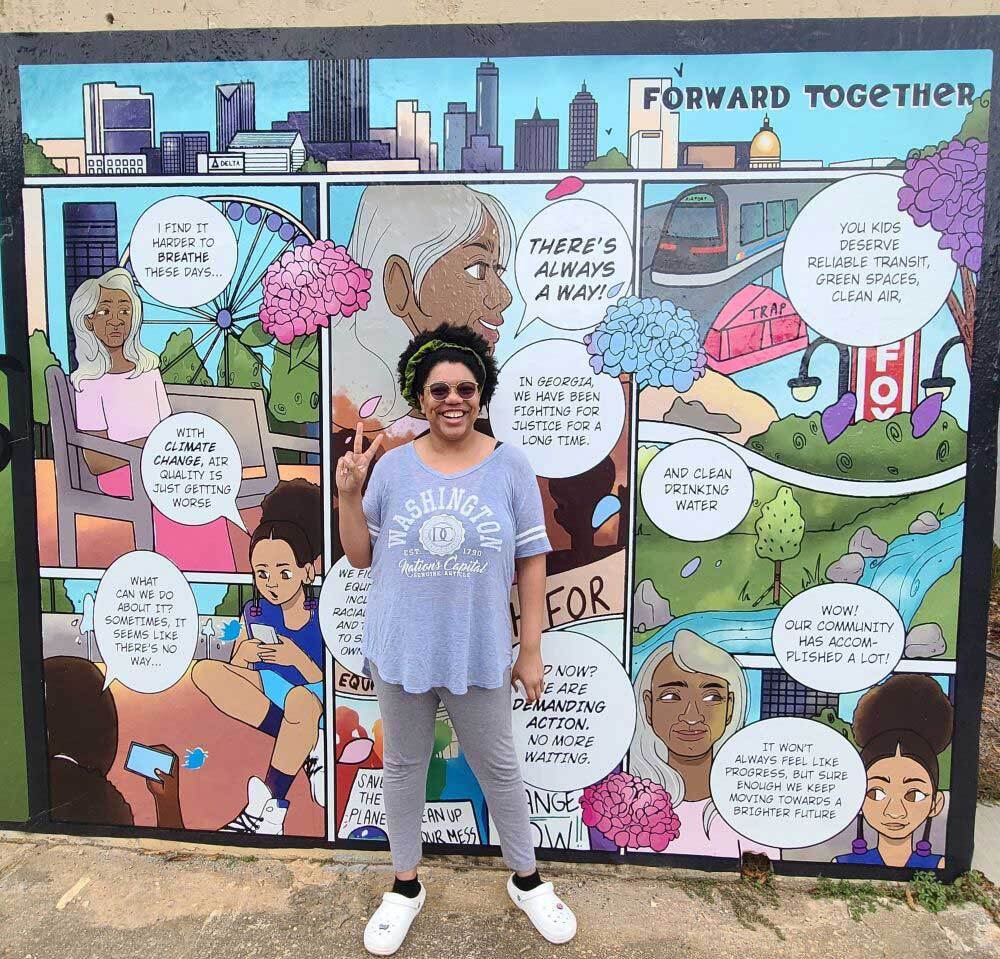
263, 231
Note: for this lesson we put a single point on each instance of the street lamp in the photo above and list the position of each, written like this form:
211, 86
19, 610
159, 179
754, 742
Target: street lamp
804, 386
937, 382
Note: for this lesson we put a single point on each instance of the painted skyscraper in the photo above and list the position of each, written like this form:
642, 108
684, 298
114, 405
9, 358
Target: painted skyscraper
653, 130
179, 151
118, 125
235, 112
459, 128
90, 248
338, 100
487, 100
536, 144
582, 129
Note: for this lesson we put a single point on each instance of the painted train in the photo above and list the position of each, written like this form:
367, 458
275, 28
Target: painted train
717, 228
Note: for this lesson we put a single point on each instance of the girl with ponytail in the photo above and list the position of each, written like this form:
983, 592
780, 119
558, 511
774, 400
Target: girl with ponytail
274, 680
901, 728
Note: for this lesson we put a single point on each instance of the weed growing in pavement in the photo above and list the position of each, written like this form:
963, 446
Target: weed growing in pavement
924, 890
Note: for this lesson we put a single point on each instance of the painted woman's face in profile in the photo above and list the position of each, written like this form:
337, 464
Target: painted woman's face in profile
464, 287
689, 712
111, 321
900, 797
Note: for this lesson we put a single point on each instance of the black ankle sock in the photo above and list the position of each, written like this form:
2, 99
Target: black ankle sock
407, 887
527, 883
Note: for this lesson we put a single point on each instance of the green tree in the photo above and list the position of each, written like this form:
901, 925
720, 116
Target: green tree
614, 159
36, 163
295, 381
41, 358
976, 124
239, 366
312, 166
180, 362
779, 536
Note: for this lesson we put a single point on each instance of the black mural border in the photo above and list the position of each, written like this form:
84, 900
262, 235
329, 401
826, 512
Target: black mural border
497, 41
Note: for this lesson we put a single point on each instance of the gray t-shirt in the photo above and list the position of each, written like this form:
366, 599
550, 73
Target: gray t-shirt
443, 551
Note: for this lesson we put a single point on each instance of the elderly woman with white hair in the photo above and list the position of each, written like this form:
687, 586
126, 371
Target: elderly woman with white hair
691, 696
437, 253
120, 396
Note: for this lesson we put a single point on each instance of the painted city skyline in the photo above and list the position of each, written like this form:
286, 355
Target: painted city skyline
500, 94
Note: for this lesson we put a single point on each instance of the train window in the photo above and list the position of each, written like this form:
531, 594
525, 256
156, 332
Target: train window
791, 212
694, 220
751, 222
775, 217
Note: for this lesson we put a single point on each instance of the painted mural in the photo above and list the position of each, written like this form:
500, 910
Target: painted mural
732, 303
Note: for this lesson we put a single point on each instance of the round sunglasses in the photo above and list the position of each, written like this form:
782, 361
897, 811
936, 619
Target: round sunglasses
441, 391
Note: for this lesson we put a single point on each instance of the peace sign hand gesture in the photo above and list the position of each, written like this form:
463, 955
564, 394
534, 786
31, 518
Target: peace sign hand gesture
352, 468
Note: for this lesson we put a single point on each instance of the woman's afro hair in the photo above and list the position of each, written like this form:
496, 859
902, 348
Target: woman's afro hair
465, 339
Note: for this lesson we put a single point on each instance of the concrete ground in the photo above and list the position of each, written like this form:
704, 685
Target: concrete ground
71, 898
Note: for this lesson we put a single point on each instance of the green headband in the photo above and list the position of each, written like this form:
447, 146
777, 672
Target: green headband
414, 361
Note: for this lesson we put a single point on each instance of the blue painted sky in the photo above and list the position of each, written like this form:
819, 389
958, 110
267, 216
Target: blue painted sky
185, 98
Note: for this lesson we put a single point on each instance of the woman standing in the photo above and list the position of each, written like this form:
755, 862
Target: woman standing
120, 396
443, 524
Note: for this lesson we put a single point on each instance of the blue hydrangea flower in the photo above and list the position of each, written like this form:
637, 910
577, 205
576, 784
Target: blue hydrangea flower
650, 338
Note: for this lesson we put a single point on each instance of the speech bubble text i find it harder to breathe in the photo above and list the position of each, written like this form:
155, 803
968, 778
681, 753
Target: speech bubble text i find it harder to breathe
183, 251
145, 622
573, 259
192, 470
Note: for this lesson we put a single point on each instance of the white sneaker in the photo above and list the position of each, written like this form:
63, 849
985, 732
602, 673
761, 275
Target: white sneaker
390, 923
263, 816
547, 912
315, 770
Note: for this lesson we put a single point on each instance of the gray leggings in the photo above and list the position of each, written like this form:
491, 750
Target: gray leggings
482, 720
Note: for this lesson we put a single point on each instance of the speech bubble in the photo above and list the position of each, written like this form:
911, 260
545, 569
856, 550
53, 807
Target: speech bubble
444, 821
573, 259
838, 637
192, 470
859, 270
145, 622
788, 782
582, 726
696, 490
342, 600
565, 417
183, 251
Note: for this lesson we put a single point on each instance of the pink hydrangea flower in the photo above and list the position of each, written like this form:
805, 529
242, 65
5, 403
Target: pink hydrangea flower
631, 812
307, 285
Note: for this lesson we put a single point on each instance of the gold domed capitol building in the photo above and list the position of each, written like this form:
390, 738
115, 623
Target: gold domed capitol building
765, 148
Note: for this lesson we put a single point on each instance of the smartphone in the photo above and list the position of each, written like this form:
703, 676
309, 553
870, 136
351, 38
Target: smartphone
144, 761
263, 633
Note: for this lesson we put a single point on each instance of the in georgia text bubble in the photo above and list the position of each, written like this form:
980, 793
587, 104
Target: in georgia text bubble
549, 402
